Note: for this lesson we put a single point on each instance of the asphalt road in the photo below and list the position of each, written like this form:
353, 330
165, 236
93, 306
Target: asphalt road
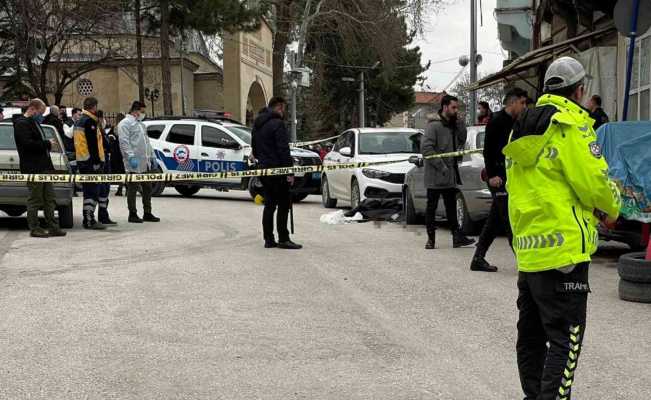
195, 308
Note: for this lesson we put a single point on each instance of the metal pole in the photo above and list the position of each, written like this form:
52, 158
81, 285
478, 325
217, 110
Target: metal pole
362, 106
293, 109
631, 52
473, 61
182, 88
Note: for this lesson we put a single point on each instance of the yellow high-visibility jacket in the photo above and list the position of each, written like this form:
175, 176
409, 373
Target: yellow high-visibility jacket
89, 145
556, 179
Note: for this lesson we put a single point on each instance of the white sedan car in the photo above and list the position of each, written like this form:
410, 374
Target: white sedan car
353, 186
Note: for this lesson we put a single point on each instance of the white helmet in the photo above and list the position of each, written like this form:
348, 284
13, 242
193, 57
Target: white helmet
565, 72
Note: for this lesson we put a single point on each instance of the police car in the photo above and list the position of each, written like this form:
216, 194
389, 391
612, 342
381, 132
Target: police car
198, 144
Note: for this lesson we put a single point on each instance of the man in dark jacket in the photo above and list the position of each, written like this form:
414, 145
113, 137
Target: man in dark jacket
444, 134
497, 136
34, 152
596, 112
270, 146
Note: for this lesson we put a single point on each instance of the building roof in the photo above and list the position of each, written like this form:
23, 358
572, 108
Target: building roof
429, 97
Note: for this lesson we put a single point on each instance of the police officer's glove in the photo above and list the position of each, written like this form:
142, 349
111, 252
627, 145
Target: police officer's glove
133, 162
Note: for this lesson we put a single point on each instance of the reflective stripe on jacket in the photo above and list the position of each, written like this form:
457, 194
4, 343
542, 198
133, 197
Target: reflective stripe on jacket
556, 179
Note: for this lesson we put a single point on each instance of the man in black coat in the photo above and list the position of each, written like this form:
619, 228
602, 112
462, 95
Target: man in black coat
596, 112
34, 152
498, 131
270, 146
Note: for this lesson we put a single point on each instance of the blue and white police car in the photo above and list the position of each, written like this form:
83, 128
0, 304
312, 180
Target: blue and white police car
197, 144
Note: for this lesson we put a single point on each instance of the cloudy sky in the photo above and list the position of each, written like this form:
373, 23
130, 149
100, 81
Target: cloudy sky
447, 35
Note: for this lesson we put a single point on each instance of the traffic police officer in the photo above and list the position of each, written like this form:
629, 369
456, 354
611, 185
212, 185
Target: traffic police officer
558, 184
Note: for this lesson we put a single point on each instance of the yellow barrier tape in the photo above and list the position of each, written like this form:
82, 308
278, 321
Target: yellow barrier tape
204, 176
301, 144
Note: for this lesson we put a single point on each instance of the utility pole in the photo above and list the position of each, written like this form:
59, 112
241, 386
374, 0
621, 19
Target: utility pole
182, 84
293, 109
473, 61
362, 105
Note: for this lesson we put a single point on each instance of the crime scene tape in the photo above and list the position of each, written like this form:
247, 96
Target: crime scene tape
301, 144
204, 176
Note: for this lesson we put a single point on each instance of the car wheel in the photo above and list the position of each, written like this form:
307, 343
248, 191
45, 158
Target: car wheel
15, 212
633, 267
635, 291
66, 218
255, 187
465, 224
187, 190
408, 208
354, 194
326, 200
298, 197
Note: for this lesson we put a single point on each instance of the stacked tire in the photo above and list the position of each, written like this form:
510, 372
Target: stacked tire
635, 278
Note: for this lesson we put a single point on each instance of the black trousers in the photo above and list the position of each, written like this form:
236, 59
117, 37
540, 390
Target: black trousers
103, 195
276, 197
132, 193
91, 192
450, 201
498, 219
552, 307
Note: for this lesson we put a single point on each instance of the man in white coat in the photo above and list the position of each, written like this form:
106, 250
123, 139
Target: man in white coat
138, 157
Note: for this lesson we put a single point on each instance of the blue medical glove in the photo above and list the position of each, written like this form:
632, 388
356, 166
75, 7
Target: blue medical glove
133, 162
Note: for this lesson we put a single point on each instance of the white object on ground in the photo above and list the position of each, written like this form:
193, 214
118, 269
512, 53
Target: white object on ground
338, 217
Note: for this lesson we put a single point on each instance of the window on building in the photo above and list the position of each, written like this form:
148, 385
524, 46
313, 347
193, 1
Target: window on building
181, 134
154, 131
639, 101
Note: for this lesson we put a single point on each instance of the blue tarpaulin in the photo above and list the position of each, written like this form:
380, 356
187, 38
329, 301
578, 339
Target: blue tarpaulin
627, 149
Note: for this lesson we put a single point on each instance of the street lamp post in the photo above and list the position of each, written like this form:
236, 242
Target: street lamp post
152, 95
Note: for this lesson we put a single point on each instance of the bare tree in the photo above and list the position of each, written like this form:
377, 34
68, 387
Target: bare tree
55, 42
141, 68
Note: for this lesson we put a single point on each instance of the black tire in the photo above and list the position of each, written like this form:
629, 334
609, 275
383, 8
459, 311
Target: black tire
633, 267
66, 218
408, 209
15, 212
634, 291
326, 200
466, 225
355, 196
187, 190
298, 197
255, 187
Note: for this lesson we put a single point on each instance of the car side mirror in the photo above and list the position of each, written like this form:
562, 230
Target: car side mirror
416, 160
346, 151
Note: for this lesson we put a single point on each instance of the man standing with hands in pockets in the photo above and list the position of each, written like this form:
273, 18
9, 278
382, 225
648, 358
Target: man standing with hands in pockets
270, 147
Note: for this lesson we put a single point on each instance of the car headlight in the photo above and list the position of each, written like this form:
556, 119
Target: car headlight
375, 173
297, 160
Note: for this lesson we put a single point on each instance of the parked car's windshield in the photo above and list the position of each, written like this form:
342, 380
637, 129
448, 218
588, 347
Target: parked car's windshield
389, 142
7, 141
242, 132
7, 137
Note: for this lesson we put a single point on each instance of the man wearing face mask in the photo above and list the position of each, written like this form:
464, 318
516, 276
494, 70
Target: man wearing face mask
558, 186
138, 158
89, 148
444, 134
34, 153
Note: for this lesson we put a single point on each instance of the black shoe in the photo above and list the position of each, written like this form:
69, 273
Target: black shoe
430, 245
270, 245
94, 225
134, 218
56, 233
289, 245
107, 221
149, 217
459, 240
39, 233
480, 264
